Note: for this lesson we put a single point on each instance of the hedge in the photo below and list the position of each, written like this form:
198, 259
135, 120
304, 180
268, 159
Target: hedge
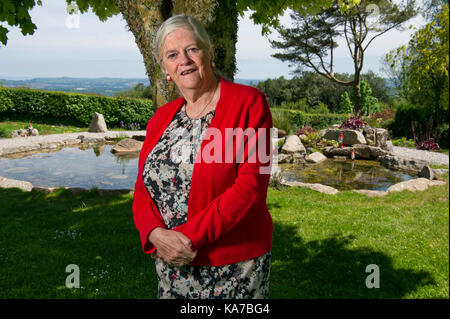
73, 107
318, 121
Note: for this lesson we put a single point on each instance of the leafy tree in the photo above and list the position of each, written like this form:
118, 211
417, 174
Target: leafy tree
144, 17
369, 103
346, 103
425, 63
310, 44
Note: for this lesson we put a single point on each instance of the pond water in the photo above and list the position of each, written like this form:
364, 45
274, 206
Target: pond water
98, 167
73, 167
345, 175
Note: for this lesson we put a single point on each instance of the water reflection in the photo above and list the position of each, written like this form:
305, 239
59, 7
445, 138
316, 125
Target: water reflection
83, 166
345, 175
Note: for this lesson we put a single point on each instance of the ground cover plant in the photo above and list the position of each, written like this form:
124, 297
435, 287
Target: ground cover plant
322, 245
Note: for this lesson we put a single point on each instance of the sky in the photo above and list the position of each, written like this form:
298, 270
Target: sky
107, 49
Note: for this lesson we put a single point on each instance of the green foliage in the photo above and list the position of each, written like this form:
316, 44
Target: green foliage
424, 62
5, 100
3, 132
405, 114
369, 104
346, 105
318, 121
281, 120
404, 142
72, 106
313, 39
139, 91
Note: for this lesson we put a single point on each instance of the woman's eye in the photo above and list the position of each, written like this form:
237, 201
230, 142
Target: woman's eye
171, 56
193, 49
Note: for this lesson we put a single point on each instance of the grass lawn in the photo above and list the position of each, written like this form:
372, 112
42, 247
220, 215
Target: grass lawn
7, 127
322, 245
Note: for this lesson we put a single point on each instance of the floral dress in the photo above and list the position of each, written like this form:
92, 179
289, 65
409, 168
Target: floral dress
167, 176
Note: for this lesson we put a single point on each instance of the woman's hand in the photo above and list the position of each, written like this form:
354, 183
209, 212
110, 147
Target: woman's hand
171, 246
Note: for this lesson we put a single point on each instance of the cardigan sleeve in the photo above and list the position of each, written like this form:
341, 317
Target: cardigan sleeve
145, 213
235, 204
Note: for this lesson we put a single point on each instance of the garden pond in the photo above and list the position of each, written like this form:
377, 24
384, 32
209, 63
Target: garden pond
96, 166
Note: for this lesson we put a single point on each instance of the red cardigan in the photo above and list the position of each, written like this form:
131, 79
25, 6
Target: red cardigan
227, 217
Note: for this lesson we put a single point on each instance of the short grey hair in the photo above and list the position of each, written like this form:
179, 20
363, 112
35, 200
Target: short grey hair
176, 22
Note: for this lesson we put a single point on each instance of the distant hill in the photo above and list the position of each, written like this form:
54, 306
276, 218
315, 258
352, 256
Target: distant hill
103, 86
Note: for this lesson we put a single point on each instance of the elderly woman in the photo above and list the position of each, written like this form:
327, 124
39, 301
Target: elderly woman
199, 206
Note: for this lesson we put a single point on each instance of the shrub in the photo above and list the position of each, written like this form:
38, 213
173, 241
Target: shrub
305, 130
281, 120
346, 104
429, 145
353, 123
74, 107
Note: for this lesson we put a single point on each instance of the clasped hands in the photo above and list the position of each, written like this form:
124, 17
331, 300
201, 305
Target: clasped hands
171, 246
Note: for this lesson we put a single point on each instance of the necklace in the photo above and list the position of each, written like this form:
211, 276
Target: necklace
212, 97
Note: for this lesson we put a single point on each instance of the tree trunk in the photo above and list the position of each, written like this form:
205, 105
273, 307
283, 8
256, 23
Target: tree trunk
144, 18
357, 99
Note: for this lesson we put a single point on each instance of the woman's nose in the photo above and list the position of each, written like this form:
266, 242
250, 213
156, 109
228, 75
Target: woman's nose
185, 58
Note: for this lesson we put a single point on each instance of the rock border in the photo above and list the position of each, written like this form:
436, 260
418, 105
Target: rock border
55, 142
85, 138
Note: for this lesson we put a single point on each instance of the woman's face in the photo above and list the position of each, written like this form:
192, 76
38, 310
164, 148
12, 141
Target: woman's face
186, 60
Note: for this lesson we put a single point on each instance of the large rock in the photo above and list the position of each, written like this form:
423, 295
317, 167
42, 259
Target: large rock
127, 145
351, 137
362, 151
293, 145
13, 183
98, 124
316, 187
377, 137
402, 163
418, 184
315, 157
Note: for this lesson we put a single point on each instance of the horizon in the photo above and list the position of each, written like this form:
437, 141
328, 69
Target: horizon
108, 50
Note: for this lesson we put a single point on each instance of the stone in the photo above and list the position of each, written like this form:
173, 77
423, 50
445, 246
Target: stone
362, 151
14, 183
285, 158
389, 146
316, 187
440, 171
98, 124
315, 157
402, 163
71, 141
427, 172
351, 137
127, 145
339, 158
418, 184
91, 140
298, 158
293, 144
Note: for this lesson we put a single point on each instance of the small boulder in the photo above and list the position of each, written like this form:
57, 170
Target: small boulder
350, 136
98, 124
315, 157
127, 145
293, 145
